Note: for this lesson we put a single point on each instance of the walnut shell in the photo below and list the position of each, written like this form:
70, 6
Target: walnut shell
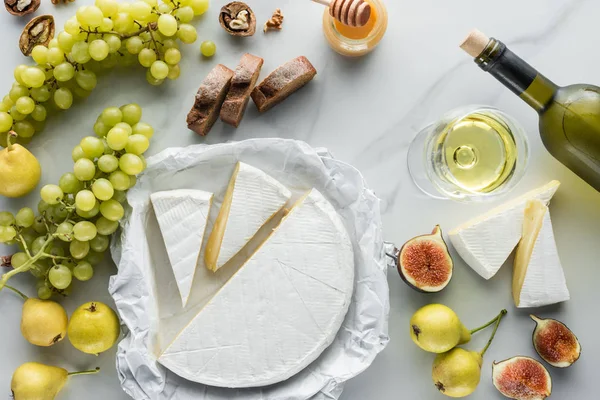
39, 31
21, 7
229, 19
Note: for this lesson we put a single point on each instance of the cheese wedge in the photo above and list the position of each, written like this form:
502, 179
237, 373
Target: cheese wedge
279, 312
486, 242
182, 216
251, 200
538, 277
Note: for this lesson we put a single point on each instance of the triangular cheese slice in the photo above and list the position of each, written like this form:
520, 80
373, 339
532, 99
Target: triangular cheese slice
486, 241
279, 312
182, 216
538, 277
251, 200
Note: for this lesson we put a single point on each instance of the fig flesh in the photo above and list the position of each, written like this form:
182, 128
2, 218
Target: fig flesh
424, 262
522, 378
555, 342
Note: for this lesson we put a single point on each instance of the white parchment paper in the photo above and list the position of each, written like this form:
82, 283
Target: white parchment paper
148, 301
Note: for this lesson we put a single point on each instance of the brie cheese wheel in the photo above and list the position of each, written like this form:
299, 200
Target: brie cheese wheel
182, 216
486, 242
251, 200
279, 312
538, 277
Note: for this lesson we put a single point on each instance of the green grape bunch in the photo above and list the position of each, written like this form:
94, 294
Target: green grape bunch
71, 231
97, 38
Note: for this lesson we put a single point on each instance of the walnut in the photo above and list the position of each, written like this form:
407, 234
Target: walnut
275, 22
238, 19
39, 30
21, 7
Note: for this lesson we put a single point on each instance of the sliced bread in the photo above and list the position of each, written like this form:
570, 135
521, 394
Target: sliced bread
244, 78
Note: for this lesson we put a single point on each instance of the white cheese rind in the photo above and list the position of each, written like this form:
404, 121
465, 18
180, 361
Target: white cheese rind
279, 312
486, 242
545, 281
182, 216
256, 198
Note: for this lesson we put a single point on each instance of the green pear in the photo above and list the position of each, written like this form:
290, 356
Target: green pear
436, 328
43, 322
35, 381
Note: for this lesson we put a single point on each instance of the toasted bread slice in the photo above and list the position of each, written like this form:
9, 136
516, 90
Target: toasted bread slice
244, 78
209, 99
282, 82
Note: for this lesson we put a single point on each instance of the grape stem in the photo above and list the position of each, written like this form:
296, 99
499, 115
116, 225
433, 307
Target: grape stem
47, 255
498, 319
27, 265
23, 295
22, 240
152, 26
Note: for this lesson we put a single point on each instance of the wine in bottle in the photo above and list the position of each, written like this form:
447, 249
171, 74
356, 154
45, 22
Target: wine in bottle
569, 116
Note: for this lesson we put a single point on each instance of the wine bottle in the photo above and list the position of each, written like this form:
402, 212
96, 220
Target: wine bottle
569, 116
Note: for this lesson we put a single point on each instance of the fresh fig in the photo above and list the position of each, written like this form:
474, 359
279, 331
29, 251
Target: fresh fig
555, 343
522, 378
425, 264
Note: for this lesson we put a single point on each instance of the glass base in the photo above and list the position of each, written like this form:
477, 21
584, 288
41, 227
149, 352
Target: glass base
416, 164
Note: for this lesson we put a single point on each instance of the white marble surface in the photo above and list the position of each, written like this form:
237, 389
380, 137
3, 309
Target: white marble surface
366, 112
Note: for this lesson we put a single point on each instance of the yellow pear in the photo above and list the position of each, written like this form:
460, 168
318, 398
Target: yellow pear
35, 381
20, 171
436, 328
43, 322
94, 328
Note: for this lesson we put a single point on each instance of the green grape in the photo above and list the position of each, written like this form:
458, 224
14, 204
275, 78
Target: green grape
99, 49
133, 178
80, 53
24, 129
94, 258
7, 233
17, 91
107, 25
132, 113
28, 235
18, 72
131, 164
78, 153
53, 44
114, 43
16, 115
170, 44
84, 231
44, 293
52, 194
124, 7
65, 231
38, 244
140, 10
112, 210
79, 249
159, 70
65, 42
142, 128
167, 25
39, 54
90, 16
123, 22
25, 217
137, 144
185, 14
119, 196
6, 218
187, 33
39, 113
72, 26
4, 107
86, 79
199, 6
42, 206
117, 138
110, 62
99, 243
208, 48
111, 116
18, 259
152, 80
107, 149
85, 200
172, 56
60, 276
41, 94
120, 180
92, 146
39, 226
63, 98
183, 3
100, 128
64, 72
88, 214
134, 45
69, 183
164, 8
151, 3
25, 105
6, 121
7, 101
59, 211
83, 271
84, 169
108, 163
55, 56
109, 8
146, 57
106, 227
125, 126
103, 190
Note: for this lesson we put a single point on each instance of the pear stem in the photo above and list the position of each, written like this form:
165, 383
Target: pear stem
486, 325
17, 292
11, 135
88, 372
498, 319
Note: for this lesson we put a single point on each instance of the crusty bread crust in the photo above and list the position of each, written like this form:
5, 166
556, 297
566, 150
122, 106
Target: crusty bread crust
209, 100
244, 78
283, 82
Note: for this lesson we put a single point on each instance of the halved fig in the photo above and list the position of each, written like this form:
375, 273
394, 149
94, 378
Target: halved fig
522, 378
555, 342
425, 264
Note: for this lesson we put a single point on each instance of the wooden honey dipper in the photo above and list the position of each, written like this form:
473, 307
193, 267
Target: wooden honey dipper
353, 13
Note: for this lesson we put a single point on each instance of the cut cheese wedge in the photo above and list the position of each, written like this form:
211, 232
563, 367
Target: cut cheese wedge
486, 242
538, 277
279, 312
182, 216
251, 200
